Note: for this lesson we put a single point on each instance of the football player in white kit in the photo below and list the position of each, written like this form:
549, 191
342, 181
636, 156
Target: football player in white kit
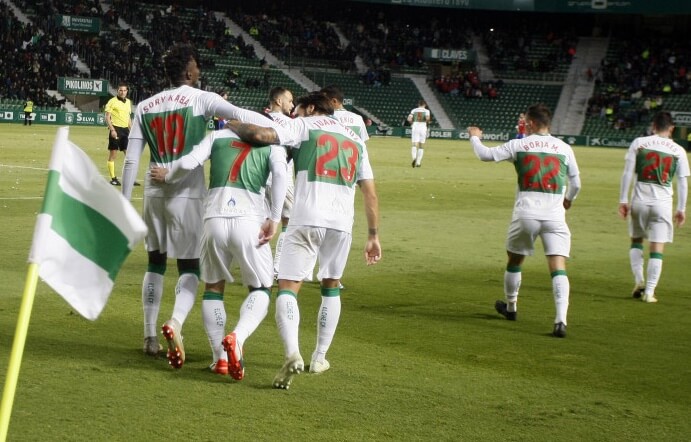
236, 230
652, 162
544, 164
346, 117
280, 107
330, 159
418, 118
171, 123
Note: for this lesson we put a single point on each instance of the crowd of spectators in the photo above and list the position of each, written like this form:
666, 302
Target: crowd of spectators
294, 35
114, 53
639, 79
529, 46
398, 42
629, 86
467, 84
32, 60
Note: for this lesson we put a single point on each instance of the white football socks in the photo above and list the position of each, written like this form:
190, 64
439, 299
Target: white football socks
636, 259
327, 321
252, 312
560, 289
512, 283
654, 271
185, 294
214, 319
288, 321
152, 292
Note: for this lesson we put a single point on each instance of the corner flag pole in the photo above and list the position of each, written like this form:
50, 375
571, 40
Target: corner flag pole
17, 349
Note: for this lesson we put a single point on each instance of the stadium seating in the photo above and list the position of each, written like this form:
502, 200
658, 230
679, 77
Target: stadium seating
499, 114
637, 78
390, 104
530, 60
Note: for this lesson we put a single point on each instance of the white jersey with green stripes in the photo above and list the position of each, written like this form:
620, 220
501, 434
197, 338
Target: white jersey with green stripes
657, 160
172, 122
237, 174
419, 116
329, 160
353, 121
543, 165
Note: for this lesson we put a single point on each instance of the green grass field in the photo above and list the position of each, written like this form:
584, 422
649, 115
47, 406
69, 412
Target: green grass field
420, 353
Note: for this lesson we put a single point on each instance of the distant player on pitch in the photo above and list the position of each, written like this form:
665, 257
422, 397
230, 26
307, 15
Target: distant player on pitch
418, 118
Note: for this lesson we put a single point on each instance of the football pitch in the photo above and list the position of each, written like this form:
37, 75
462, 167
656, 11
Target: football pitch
419, 355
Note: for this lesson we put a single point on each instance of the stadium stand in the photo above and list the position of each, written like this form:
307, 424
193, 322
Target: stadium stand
530, 54
638, 77
498, 114
31, 49
376, 57
390, 104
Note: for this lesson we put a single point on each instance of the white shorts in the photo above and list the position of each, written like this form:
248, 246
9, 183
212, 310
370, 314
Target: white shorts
302, 245
555, 236
418, 134
228, 240
175, 226
653, 222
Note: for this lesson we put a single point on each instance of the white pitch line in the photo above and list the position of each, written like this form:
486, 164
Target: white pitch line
11, 166
19, 198
10, 198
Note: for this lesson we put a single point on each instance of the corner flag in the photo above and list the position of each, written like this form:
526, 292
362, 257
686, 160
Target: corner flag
82, 236
84, 232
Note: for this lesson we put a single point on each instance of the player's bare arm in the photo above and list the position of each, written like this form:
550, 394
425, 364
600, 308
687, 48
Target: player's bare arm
254, 134
371, 201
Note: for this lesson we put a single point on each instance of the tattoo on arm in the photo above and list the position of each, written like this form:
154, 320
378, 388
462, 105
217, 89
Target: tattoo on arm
252, 133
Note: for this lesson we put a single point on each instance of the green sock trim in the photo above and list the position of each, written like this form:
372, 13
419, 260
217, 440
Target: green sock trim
212, 296
283, 229
332, 292
637, 245
513, 269
655, 255
156, 268
287, 292
557, 273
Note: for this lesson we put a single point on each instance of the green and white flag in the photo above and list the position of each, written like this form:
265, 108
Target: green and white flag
84, 232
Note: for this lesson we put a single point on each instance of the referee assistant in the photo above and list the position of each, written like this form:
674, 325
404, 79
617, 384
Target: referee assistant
118, 111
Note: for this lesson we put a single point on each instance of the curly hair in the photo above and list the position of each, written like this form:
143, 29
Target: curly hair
175, 62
